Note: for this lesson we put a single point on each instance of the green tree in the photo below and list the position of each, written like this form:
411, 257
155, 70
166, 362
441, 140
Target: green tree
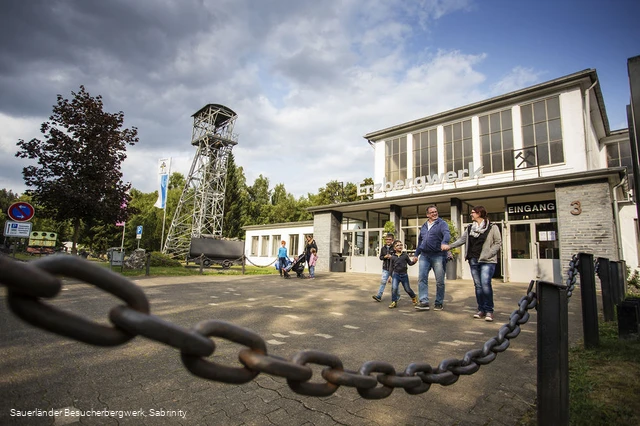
235, 199
259, 202
7, 197
335, 192
78, 176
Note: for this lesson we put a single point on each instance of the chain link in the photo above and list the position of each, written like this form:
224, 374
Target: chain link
572, 274
194, 345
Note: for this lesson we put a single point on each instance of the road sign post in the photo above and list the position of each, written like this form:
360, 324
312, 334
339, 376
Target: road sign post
139, 234
21, 211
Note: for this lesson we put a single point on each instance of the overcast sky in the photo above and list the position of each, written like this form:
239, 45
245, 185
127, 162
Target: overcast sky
307, 78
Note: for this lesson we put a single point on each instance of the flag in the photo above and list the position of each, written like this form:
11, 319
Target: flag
163, 180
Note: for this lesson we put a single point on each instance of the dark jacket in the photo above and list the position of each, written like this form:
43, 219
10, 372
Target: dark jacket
430, 240
386, 263
399, 263
307, 249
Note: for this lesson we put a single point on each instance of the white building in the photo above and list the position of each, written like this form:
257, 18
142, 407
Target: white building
542, 160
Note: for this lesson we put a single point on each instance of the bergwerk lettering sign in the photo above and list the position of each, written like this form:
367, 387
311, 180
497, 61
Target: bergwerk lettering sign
420, 183
532, 207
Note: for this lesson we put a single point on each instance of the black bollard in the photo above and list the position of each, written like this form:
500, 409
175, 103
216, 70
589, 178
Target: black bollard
553, 354
244, 263
614, 278
589, 300
201, 263
605, 285
148, 264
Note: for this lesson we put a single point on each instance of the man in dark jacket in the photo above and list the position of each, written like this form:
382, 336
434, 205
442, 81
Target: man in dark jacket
385, 255
434, 235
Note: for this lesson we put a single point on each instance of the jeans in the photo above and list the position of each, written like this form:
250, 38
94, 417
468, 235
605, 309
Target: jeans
404, 279
482, 273
312, 271
282, 261
428, 262
383, 282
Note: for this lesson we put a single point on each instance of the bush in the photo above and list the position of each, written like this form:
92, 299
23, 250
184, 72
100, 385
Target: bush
159, 259
633, 278
454, 237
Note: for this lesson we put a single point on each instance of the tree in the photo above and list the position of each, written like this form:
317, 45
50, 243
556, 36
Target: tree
6, 199
78, 176
335, 192
234, 200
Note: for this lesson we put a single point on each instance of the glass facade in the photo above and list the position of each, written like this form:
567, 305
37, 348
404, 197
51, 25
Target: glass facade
542, 128
619, 155
496, 141
458, 147
425, 153
396, 159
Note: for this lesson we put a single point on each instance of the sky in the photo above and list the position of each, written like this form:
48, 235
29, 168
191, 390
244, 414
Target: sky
307, 79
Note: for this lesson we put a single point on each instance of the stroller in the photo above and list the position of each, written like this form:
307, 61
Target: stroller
296, 266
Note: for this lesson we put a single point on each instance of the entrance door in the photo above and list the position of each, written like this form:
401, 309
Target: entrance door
535, 251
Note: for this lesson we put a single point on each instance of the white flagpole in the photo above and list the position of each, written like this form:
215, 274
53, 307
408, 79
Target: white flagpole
164, 215
124, 225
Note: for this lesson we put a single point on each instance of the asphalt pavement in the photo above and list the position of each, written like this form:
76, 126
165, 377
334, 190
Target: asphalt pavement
47, 379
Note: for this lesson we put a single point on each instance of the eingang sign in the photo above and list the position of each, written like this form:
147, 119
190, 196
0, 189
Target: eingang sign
420, 183
539, 208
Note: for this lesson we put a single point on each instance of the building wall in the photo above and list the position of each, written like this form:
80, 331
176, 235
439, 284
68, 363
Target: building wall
593, 230
326, 228
628, 232
284, 231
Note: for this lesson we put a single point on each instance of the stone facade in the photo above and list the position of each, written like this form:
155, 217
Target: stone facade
326, 232
593, 230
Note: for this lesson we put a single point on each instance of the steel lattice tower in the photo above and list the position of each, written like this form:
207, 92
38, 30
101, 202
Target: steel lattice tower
201, 208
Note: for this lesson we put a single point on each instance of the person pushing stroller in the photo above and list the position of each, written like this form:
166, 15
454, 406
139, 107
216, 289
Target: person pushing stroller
296, 266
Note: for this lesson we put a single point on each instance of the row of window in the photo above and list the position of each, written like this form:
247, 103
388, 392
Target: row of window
541, 132
272, 243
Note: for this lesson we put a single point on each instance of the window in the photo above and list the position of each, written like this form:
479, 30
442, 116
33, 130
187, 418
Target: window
619, 155
275, 244
425, 153
265, 246
293, 244
254, 246
541, 127
496, 141
458, 149
396, 159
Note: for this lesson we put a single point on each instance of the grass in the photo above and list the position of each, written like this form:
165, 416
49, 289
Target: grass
603, 382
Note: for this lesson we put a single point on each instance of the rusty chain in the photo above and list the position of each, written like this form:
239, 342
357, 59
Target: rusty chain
572, 274
29, 283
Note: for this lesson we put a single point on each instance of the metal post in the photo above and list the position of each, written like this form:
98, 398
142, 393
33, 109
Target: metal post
148, 263
201, 262
614, 276
244, 262
553, 354
589, 302
605, 286
622, 271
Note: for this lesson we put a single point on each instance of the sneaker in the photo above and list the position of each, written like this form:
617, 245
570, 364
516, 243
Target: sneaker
421, 306
438, 307
393, 305
414, 300
479, 315
489, 316
377, 298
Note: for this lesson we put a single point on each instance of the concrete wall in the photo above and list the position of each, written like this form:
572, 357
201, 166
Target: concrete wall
593, 230
327, 228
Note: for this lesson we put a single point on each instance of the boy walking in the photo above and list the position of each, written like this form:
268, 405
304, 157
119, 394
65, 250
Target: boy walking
385, 255
399, 264
282, 256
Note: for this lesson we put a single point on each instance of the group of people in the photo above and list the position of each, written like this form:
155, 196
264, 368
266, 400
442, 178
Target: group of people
482, 239
310, 257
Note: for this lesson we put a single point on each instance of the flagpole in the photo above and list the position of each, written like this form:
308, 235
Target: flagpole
164, 215
124, 225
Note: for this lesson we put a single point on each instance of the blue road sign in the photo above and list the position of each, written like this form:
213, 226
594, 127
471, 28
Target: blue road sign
21, 211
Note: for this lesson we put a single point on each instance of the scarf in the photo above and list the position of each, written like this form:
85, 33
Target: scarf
477, 229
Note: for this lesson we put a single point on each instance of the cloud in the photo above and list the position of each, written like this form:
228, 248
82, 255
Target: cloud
307, 79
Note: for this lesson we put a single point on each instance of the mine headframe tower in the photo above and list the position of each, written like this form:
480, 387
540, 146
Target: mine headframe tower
200, 211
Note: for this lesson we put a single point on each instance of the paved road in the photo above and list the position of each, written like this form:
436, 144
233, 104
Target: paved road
333, 313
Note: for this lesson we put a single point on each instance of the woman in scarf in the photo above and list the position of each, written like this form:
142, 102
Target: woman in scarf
483, 242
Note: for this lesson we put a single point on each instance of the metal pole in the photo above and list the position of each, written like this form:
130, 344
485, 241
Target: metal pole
553, 354
605, 286
124, 225
589, 302
615, 282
